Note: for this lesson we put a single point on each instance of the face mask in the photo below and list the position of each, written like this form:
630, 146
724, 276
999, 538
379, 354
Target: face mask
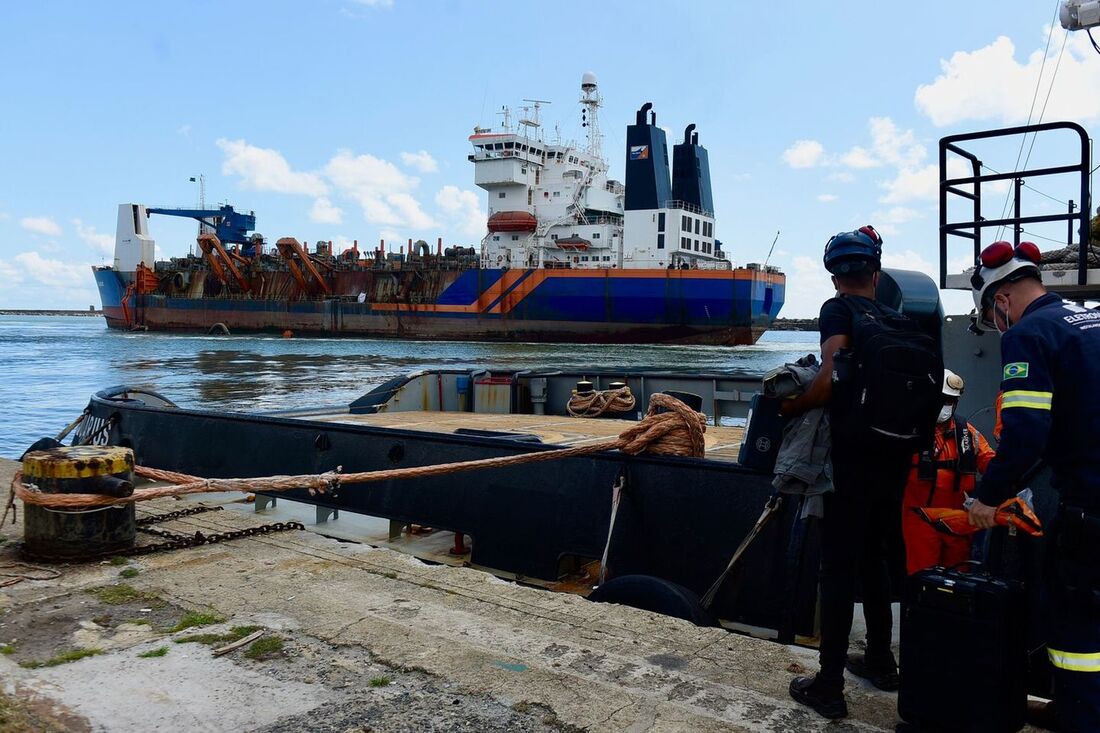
945, 413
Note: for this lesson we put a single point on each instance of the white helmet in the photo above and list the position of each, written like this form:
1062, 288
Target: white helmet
1000, 262
953, 384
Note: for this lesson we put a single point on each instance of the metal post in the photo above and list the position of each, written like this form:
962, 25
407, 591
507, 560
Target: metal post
1016, 212
1069, 224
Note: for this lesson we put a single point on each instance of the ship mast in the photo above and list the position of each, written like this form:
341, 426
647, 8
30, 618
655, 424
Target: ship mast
590, 118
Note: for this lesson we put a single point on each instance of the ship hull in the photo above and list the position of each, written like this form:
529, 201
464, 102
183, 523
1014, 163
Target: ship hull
726, 307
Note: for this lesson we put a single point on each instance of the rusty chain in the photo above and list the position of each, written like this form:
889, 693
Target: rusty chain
175, 540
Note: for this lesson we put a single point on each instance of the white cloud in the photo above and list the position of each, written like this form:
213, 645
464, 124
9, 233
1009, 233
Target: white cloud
990, 84
41, 225
859, 157
422, 161
264, 169
808, 286
46, 283
102, 243
463, 208
842, 177
804, 154
893, 146
4, 215
53, 272
827, 198
380, 188
323, 212
184, 130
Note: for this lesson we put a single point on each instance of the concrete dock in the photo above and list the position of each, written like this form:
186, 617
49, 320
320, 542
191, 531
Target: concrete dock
371, 640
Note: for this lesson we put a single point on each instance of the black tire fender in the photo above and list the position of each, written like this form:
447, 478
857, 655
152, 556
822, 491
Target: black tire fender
649, 593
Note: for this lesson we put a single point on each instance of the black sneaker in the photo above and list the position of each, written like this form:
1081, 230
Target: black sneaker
882, 675
827, 700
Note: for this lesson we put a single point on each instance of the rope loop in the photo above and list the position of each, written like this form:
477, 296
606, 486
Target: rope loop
597, 402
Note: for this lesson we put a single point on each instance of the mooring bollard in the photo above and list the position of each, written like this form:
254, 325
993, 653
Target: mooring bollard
90, 469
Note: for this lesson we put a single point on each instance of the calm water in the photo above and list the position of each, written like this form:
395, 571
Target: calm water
51, 365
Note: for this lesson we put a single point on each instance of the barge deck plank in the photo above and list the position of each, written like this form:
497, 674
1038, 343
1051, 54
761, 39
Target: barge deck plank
722, 442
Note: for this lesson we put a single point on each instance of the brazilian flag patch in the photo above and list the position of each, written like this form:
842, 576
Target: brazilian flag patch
1015, 370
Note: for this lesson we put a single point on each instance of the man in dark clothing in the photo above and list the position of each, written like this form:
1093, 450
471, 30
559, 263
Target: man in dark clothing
1050, 356
865, 507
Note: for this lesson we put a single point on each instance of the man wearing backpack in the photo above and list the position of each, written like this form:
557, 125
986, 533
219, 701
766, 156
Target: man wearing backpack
878, 412
1050, 355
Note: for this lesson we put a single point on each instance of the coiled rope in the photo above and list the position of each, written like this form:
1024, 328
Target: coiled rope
676, 431
597, 402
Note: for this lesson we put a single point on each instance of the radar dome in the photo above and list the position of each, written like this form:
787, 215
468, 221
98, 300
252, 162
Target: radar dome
588, 81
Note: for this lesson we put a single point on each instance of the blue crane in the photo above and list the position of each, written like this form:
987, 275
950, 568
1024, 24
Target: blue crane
229, 226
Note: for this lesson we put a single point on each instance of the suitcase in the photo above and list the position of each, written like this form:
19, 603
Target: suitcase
963, 662
763, 434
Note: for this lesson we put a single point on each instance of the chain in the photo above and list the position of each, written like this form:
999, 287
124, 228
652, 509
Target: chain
175, 541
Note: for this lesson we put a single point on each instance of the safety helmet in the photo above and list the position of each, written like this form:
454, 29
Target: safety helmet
953, 384
999, 263
851, 252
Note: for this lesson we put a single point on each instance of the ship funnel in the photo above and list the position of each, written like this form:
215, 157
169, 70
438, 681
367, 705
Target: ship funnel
691, 172
647, 179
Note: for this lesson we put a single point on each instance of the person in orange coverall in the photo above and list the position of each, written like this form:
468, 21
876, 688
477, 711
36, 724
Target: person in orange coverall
939, 478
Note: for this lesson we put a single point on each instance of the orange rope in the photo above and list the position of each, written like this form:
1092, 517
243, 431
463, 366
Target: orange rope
678, 432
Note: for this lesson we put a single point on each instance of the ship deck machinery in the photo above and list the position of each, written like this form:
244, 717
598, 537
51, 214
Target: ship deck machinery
679, 519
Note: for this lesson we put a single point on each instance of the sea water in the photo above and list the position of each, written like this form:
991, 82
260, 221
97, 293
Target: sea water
53, 364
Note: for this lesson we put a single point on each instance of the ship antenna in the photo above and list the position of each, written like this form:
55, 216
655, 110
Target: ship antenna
532, 120
591, 102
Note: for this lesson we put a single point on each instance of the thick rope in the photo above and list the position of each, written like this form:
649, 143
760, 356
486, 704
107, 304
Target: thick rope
677, 432
596, 403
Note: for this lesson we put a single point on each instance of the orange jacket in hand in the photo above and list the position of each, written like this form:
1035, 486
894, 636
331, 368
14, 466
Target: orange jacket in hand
938, 478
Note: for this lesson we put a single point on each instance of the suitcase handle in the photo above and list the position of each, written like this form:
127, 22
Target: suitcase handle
980, 565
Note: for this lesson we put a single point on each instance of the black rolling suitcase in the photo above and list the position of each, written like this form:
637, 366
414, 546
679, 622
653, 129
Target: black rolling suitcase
963, 661
763, 434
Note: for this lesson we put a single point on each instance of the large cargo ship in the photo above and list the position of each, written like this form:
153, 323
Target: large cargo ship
569, 256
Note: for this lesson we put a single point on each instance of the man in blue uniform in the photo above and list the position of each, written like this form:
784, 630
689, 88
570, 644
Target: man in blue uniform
1050, 355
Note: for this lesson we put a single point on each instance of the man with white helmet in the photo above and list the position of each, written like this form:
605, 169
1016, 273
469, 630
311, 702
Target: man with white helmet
1050, 355
941, 477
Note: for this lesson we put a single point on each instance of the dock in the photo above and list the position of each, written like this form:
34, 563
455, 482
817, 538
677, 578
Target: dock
367, 639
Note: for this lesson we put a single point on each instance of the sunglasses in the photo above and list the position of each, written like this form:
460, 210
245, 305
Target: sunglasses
1001, 253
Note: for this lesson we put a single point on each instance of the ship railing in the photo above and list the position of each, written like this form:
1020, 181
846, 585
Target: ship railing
685, 206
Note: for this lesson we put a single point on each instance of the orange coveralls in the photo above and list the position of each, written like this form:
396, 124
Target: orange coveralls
924, 545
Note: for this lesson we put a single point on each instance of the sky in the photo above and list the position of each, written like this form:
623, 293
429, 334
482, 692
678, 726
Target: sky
348, 119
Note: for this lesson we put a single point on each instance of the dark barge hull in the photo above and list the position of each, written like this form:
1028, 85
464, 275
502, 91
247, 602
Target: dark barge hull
679, 519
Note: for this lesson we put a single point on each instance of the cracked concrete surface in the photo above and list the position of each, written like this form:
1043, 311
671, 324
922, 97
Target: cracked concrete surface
458, 648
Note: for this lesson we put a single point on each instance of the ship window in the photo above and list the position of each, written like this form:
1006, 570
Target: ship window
553, 236
498, 146
496, 238
584, 258
515, 237
500, 195
557, 193
696, 245
696, 227
683, 242
661, 222
607, 258
660, 241
509, 146
595, 235
546, 194
523, 171
530, 194
685, 223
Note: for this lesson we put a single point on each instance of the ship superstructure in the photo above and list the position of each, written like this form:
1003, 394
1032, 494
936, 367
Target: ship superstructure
553, 204
569, 255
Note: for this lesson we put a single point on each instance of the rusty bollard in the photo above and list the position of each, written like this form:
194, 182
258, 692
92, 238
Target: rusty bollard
77, 534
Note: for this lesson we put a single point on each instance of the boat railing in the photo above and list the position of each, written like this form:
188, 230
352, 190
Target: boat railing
685, 206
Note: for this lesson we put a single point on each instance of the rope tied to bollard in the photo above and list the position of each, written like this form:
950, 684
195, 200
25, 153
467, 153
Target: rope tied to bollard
597, 402
669, 428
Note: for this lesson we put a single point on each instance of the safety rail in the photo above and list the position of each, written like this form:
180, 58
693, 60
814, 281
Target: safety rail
685, 206
951, 187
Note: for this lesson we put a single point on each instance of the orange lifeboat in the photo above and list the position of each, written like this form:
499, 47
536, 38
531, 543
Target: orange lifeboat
512, 221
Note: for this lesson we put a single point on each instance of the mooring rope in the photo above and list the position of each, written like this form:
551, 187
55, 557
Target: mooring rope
597, 402
678, 431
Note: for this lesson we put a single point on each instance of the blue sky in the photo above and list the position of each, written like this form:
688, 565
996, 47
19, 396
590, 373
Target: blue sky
339, 119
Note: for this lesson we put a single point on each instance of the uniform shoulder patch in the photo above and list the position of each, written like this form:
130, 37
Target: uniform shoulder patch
1015, 370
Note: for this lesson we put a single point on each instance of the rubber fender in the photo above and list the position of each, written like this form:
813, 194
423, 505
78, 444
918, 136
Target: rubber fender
654, 594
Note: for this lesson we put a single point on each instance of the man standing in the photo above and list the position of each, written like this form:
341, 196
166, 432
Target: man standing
865, 507
941, 477
1050, 355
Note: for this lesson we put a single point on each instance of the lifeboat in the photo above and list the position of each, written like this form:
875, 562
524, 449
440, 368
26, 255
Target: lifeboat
573, 243
512, 221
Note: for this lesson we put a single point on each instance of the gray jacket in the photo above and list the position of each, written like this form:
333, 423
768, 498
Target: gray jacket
802, 466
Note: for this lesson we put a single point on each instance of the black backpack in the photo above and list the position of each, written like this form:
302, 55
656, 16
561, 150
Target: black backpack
892, 376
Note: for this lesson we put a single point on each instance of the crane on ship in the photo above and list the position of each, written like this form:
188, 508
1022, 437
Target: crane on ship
229, 225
